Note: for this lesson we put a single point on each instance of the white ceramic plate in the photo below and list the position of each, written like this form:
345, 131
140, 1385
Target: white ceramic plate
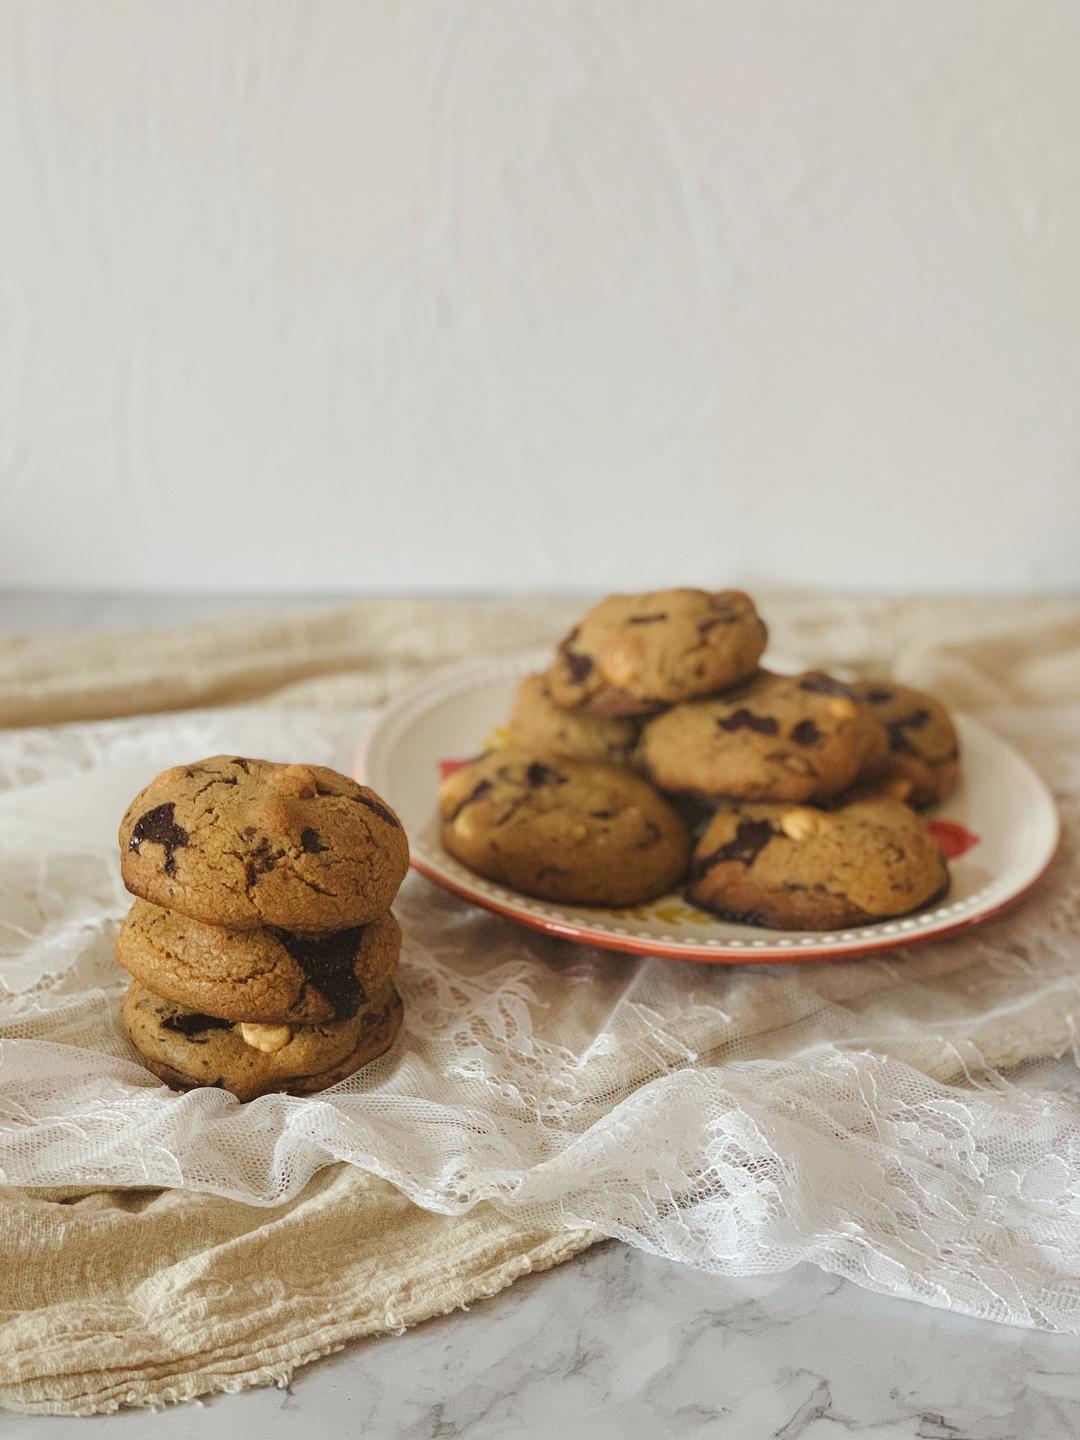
1001, 804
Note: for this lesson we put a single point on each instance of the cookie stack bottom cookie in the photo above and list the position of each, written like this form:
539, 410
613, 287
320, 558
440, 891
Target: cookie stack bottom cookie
186, 1048
257, 1011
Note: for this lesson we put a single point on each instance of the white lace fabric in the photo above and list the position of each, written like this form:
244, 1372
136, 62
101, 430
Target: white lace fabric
911, 1122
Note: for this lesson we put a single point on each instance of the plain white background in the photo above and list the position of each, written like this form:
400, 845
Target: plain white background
539, 294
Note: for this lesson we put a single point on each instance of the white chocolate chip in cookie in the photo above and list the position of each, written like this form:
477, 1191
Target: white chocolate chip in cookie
801, 823
622, 662
295, 780
267, 1038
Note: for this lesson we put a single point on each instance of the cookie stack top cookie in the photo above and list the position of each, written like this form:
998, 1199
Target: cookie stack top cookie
261, 943
243, 843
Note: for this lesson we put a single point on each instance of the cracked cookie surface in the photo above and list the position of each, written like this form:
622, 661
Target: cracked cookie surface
633, 654
539, 725
269, 975
562, 830
776, 737
244, 843
798, 868
186, 1048
924, 748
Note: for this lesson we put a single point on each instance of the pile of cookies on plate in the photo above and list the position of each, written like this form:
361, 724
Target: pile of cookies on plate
656, 752
262, 945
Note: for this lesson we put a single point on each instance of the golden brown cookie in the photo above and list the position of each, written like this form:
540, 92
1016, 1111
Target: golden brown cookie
777, 737
185, 1048
245, 843
540, 726
798, 868
633, 654
923, 745
580, 834
270, 975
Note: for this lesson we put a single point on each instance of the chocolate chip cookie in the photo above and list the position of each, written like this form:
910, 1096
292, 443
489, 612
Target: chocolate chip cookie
269, 975
923, 744
566, 831
244, 843
186, 1048
798, 868
538, 725
633, 654
776, 737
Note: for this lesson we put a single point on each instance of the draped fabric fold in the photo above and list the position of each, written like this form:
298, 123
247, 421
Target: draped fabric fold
909, 1122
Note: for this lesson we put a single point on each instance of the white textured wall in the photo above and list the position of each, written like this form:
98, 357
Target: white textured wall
477, 293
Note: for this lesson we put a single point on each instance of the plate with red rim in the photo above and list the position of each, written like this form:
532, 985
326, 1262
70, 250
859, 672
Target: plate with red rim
1000, 828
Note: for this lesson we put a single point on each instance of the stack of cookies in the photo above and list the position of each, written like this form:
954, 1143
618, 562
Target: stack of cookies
802, 790
261, 945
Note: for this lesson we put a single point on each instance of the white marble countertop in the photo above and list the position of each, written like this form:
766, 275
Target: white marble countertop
617, 1345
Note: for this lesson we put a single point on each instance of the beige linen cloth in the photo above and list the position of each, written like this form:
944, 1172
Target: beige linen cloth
143, 1297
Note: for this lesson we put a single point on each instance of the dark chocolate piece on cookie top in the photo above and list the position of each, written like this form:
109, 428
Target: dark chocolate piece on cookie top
897, 730
821, 684
751, 837
329, 966
540, 774
261, 861
377, 808
578, 665
743, 719
480, 788
160, 828
805, 733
